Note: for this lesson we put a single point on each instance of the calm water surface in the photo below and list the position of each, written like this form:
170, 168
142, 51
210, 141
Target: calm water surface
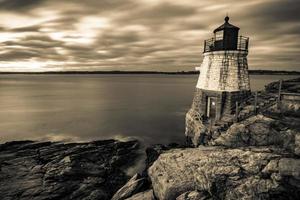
150, 108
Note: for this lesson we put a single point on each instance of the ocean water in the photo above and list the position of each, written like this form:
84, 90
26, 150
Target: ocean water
150, 108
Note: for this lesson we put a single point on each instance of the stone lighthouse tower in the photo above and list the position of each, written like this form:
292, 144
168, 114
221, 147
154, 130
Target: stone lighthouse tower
223, 81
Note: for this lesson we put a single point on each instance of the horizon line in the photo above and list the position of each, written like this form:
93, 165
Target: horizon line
140, 72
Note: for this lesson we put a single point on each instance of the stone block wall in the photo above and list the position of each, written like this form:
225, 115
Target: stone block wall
230, 99
224, 71
225, 101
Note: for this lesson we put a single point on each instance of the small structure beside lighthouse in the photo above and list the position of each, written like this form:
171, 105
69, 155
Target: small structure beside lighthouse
223, 81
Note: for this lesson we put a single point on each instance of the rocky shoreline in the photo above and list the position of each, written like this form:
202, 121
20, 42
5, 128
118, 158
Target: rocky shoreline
52, 170
257, 158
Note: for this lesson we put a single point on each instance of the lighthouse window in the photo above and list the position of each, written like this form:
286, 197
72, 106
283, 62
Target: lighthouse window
219, 35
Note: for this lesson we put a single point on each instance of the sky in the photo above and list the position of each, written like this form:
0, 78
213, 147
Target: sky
159, 35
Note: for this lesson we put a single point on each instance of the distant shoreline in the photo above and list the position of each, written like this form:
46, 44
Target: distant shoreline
251, 72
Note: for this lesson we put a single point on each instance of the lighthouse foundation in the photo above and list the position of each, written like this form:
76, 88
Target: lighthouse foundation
215, 104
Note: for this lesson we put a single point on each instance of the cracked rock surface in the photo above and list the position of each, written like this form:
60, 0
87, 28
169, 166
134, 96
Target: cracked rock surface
219, 173
260, 131
50, 170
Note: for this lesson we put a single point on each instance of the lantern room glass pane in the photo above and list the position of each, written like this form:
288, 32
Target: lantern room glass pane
219, 35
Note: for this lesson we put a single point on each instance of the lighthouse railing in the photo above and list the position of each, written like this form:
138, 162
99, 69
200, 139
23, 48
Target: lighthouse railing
217, 44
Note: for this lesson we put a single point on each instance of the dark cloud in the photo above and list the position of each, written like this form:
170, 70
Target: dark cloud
32, 47
164, 11
157, 15
18, 4
278, 12
35, 42
111, 38
25, 29
17, 55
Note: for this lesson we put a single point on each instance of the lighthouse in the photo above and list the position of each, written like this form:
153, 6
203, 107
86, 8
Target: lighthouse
223, 82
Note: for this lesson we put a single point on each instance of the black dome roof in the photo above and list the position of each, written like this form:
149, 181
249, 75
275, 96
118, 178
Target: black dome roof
226, 25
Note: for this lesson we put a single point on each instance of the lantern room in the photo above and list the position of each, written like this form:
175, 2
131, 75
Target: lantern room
226, 37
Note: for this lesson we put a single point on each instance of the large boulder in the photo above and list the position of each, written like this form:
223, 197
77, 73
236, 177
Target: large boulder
225, 174
45, 170
258, 131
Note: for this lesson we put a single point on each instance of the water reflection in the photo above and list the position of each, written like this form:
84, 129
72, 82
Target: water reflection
89, 107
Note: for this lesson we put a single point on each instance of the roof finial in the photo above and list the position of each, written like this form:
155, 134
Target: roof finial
226, 18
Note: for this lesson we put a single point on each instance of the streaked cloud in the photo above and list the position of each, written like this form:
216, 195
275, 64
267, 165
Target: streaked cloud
163, 35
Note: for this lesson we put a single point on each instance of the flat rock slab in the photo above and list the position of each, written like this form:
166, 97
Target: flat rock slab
225, 174
46, 170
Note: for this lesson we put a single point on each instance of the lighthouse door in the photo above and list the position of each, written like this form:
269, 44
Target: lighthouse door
211, 107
